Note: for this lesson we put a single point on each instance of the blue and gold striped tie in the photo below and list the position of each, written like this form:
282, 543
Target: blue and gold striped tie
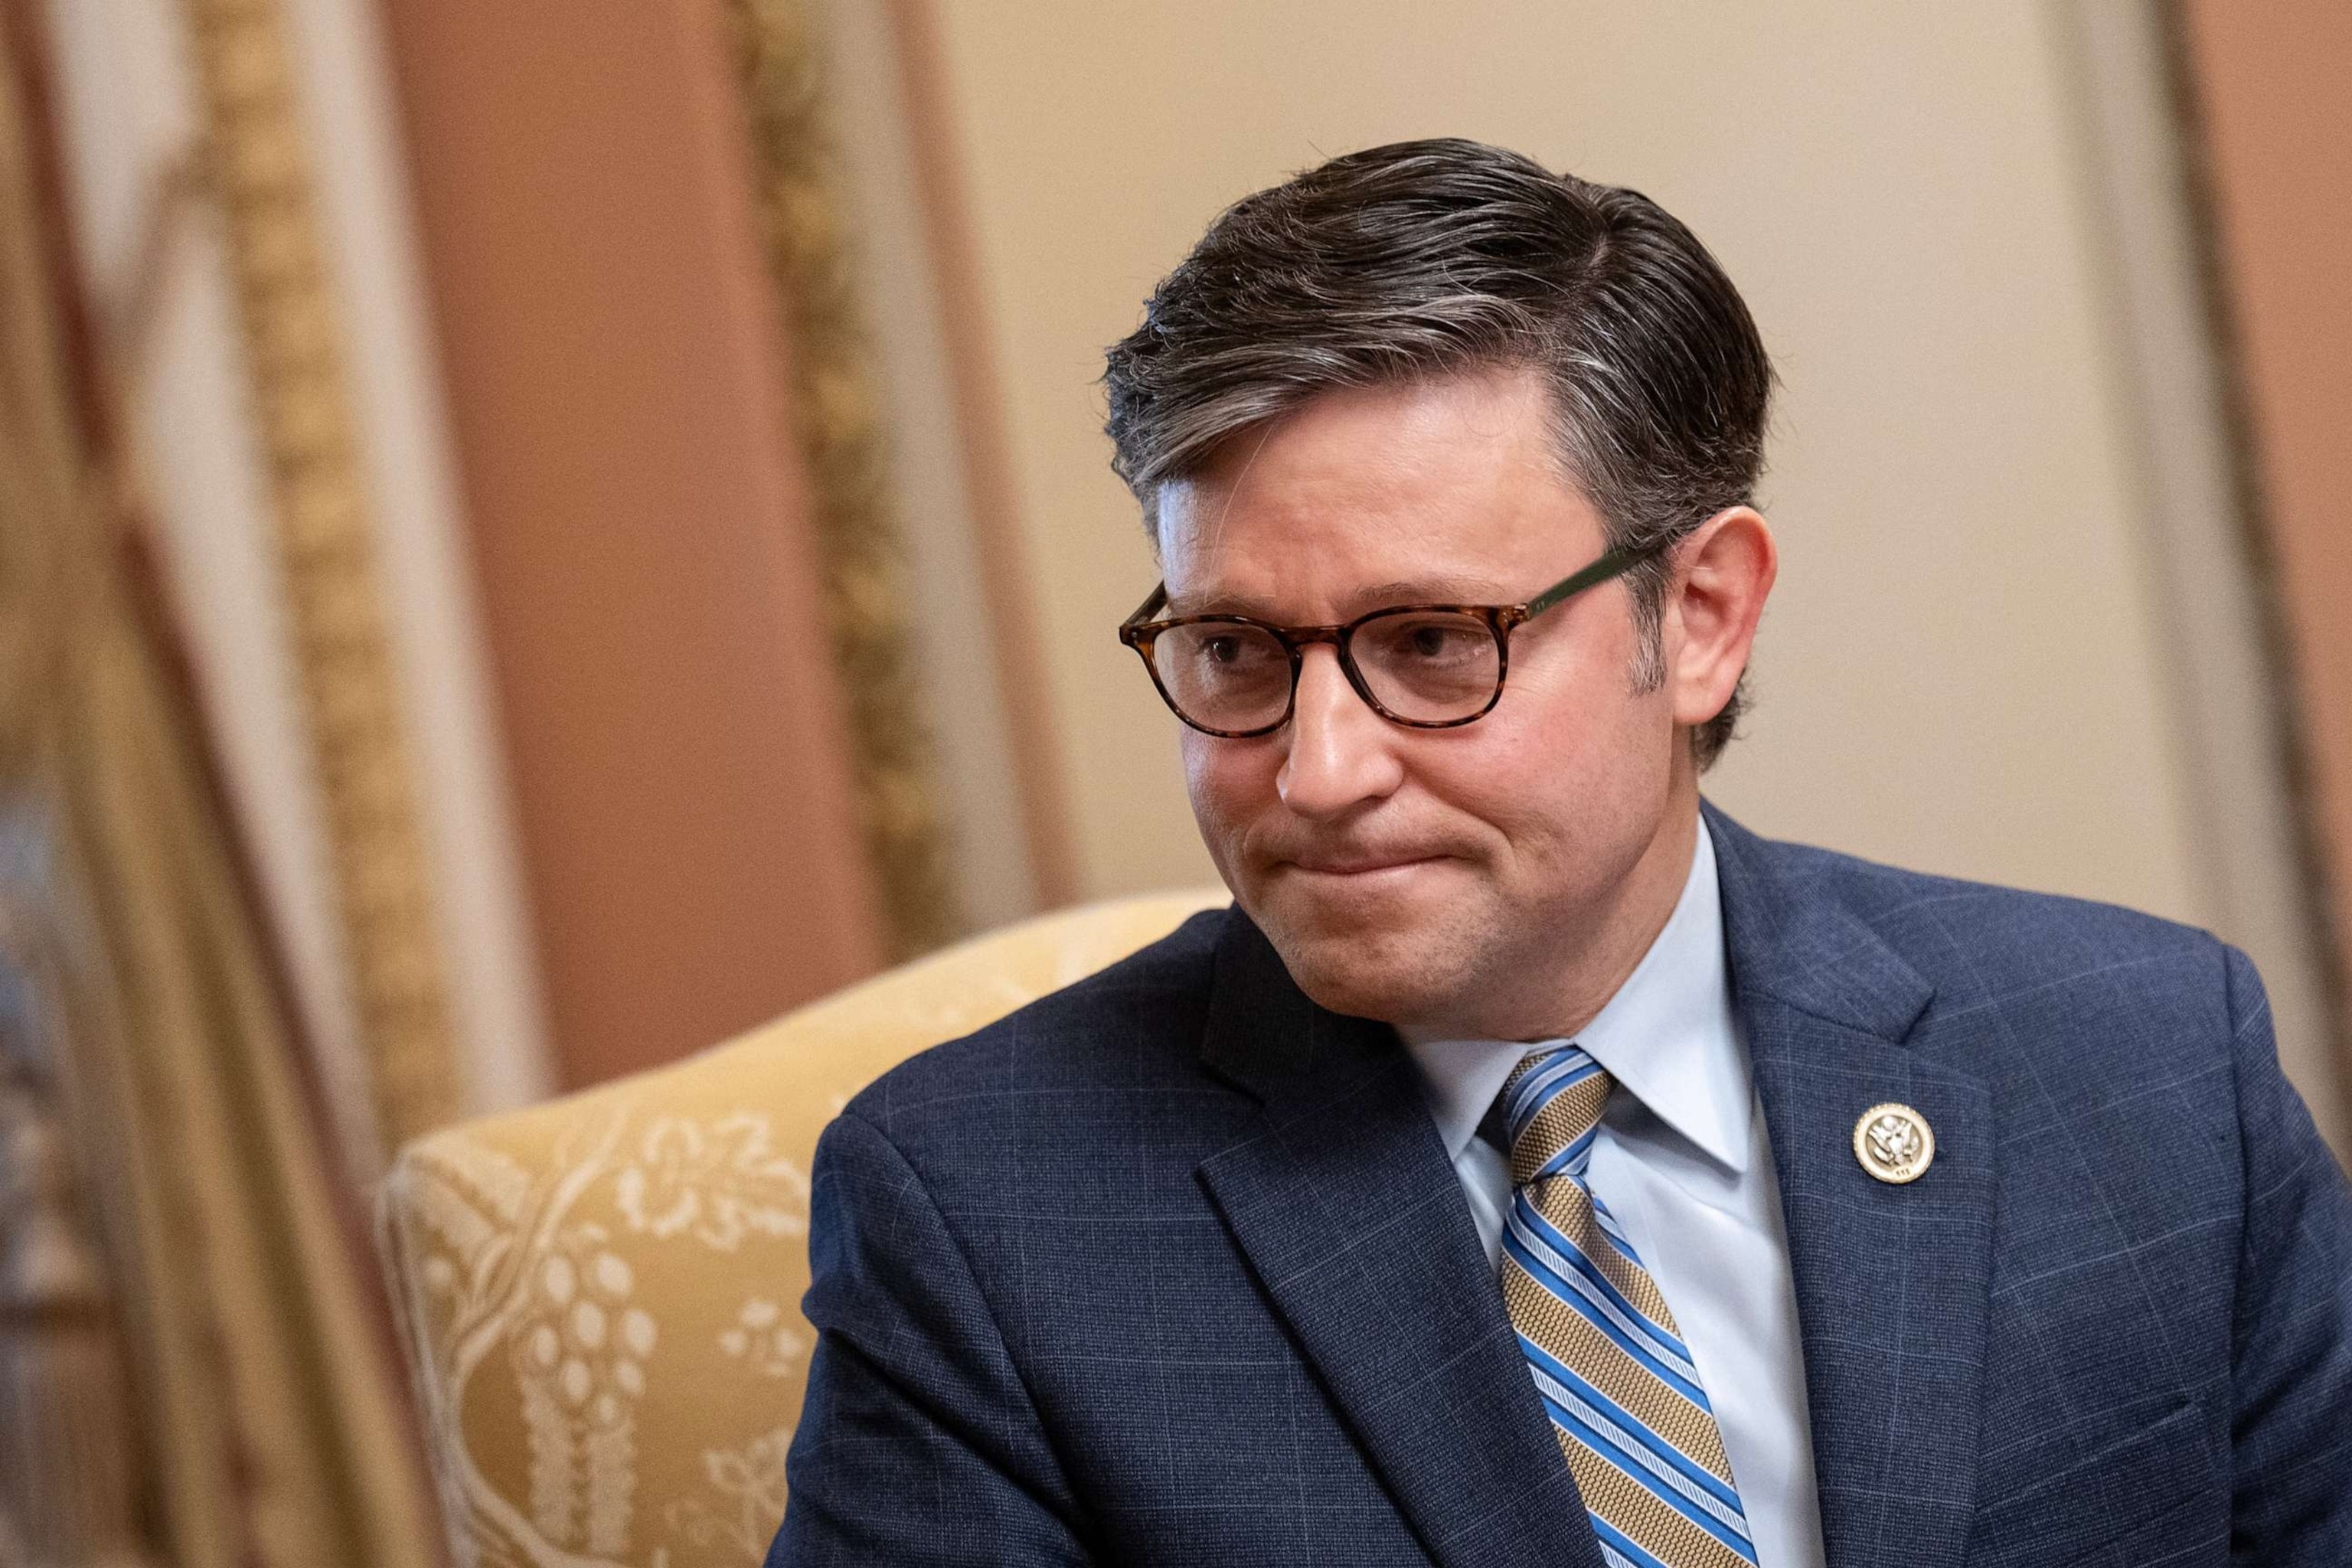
1623, 1396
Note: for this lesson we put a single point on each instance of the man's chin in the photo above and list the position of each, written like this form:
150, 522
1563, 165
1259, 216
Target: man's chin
1393, 972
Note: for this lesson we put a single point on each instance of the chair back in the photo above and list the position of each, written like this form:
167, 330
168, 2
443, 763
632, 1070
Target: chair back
600, 1296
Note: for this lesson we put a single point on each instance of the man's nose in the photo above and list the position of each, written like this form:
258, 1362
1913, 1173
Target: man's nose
1341, 753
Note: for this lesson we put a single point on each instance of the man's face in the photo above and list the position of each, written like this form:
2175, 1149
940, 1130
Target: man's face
1444, 876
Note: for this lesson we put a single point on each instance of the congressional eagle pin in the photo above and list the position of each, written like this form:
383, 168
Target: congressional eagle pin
1893, 1144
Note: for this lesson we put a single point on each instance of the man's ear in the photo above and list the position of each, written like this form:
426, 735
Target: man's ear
1723, 573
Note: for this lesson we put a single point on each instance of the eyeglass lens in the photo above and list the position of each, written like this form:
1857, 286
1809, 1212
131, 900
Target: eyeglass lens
1428, 667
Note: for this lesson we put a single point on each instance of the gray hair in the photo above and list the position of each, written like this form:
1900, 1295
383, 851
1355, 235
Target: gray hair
1435, 258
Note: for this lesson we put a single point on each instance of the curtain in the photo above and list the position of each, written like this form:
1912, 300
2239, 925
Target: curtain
838, 421
262, 1424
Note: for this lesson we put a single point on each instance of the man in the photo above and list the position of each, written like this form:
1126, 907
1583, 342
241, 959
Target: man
1534, 1166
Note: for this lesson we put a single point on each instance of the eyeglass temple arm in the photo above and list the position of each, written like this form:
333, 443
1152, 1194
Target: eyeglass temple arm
1615, 564
1149, 606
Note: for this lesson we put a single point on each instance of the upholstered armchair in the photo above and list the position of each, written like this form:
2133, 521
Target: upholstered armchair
600, 1296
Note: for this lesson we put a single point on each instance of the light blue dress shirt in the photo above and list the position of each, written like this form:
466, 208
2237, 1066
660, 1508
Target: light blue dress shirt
1682, 1163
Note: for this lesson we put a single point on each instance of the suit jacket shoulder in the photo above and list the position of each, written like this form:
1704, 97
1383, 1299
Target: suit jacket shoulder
2015, 978
1128, 1274
2123, 1319
1935, 919
1137, 1023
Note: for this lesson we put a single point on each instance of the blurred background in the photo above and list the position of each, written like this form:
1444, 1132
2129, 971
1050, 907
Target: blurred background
537, 539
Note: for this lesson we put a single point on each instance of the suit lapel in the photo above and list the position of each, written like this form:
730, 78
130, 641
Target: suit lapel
1351, 1214
1891, 1281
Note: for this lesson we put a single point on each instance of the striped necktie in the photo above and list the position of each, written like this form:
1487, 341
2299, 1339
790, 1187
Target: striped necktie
1615, 1376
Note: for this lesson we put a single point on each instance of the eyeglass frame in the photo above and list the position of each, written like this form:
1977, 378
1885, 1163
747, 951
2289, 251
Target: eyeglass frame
1501, 620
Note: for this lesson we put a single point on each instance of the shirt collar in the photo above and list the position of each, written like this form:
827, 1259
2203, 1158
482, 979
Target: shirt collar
1666, 1036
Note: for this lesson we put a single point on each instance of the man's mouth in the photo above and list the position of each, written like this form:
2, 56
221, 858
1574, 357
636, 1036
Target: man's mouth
1358, 864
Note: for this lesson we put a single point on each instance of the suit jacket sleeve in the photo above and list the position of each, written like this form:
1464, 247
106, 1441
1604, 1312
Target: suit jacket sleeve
918, 1442
2292, 1358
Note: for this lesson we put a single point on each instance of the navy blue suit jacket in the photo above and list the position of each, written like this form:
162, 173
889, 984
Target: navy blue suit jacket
1172, 1266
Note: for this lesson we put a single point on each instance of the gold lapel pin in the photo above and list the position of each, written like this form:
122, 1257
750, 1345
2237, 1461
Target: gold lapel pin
1894, 1142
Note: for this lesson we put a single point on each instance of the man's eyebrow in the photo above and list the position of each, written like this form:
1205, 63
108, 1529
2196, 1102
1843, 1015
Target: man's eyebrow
1438, 590
1434, 589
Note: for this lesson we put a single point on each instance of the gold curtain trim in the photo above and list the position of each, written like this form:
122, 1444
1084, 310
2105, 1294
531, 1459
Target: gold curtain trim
837, 415
270, 1426
349, 687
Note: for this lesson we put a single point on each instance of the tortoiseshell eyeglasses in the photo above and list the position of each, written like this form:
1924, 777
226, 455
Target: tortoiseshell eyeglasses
1432, 666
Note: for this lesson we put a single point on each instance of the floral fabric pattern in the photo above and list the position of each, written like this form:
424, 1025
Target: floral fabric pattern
600, 1295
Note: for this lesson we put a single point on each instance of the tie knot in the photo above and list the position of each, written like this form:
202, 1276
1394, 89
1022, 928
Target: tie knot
1550, 1107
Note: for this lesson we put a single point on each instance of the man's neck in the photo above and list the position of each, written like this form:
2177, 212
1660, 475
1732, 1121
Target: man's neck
1646, 902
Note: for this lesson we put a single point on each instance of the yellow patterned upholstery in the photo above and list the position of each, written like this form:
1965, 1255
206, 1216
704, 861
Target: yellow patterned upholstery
600, 1295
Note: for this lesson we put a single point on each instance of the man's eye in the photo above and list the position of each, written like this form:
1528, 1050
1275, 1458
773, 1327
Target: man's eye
1234, 654
1431, 641
1436, 642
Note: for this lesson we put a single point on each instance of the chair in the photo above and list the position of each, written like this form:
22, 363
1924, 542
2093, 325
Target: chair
600, 1295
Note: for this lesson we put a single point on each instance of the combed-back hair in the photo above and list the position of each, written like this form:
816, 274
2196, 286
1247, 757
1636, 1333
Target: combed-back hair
1425, 259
